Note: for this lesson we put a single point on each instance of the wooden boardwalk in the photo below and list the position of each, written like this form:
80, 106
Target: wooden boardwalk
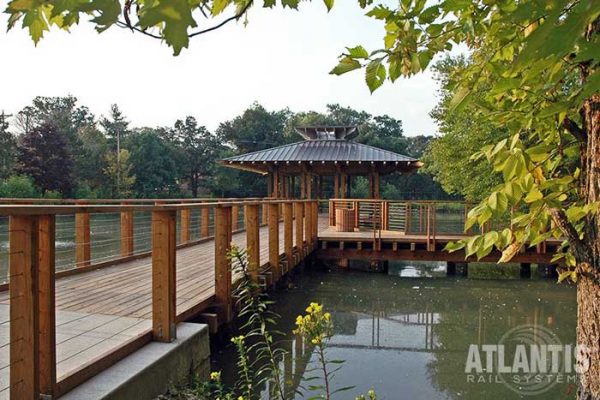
104, 308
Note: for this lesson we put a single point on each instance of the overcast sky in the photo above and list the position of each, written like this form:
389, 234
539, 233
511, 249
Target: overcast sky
281, 59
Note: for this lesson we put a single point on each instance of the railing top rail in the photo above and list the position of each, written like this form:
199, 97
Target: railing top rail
119, 201
37, 209
402, 200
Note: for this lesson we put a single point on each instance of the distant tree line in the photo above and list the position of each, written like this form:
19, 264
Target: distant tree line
57, 148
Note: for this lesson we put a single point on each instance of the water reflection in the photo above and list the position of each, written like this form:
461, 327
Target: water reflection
409, 338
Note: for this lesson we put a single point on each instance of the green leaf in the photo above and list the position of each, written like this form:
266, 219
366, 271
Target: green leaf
454, 246
329, 4
358, 52
219, 6
175, 17
375, 74
460, 99
346, 64
534, 195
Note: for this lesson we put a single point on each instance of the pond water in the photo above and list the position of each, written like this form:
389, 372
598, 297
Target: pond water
407, 334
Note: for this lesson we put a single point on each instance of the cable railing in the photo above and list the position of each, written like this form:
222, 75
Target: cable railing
39, 243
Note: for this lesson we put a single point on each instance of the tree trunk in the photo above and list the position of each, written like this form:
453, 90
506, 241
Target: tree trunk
588, 290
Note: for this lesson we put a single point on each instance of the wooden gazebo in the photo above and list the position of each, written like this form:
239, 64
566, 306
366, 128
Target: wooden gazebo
326, 151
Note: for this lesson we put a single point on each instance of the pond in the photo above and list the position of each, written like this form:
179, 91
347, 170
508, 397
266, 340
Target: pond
407, 333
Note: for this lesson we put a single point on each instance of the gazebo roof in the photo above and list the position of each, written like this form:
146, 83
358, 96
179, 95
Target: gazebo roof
323, 155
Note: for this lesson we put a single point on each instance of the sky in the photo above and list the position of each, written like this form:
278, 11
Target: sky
280, 59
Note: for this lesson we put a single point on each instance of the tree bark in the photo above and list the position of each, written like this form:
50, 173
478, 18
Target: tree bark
588, 268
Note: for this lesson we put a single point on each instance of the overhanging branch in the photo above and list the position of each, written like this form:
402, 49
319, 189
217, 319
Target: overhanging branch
574, 130
578, 247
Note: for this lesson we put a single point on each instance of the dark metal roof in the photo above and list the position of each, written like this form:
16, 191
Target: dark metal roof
321, 150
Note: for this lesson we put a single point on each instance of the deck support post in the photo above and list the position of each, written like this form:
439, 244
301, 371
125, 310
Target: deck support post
32, 311
525, 270
274, 240
223, 235
127, 244
252, 240
82, 239
163, 275
450, 268
184, 225
288, 233
299, 214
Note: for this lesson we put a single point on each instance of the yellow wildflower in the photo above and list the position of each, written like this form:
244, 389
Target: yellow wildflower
215, 376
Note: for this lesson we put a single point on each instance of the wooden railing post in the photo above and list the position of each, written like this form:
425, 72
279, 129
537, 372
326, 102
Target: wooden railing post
32, 318
331, 213
204, 222
288, 233
408, 217
315, 219
299, 211
127, 243
46, 303
185, 217
274, 240
252, 239
428, 227
308, 228
222, 263
265, 214
163, 275
434, 228
235, 215
83, 251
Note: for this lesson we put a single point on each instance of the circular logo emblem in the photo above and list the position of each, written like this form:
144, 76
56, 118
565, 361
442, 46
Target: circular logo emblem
534, 356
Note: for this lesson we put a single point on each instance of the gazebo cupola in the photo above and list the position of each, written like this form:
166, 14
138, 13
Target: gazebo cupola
327, 151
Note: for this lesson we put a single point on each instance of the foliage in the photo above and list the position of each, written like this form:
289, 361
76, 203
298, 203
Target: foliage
533, 68
116, 127
153, 165
43, 154
258, 349
464, 132
316, 328
199, 150
18, 186
8, 145
118, 172
173, 21
90, 161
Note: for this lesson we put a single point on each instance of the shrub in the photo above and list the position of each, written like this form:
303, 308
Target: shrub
18, 186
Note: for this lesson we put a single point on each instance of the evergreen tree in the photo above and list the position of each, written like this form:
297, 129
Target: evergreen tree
116, 127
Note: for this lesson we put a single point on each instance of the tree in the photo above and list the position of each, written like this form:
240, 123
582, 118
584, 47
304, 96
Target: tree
18, 186
115, 127
256, 129
153, 164
463, 132
534, 72
91, 161
43, 154
542, 59
199, 150
8, 145
118, 172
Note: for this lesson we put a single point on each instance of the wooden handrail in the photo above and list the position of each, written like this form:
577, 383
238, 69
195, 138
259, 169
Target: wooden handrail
32, 271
